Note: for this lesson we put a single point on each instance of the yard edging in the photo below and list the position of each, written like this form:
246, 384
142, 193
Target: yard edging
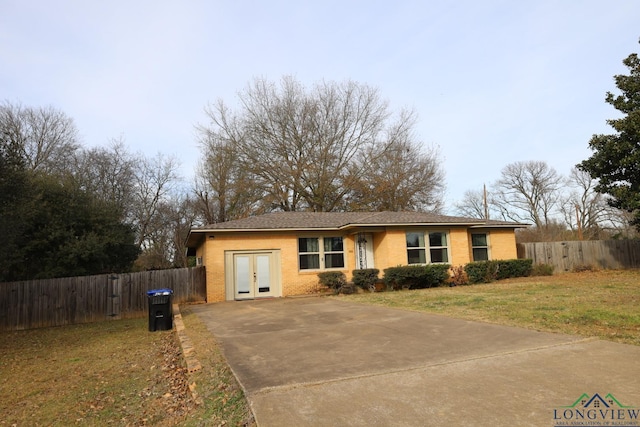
192, 362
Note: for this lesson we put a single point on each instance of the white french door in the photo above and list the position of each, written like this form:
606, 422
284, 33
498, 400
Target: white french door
253, 277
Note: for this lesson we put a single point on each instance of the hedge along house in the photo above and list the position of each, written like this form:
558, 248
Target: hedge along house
280, 254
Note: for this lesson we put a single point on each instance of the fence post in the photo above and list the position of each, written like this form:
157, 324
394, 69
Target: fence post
114, 294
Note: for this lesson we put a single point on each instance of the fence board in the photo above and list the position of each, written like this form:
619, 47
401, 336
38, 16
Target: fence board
69, 300
566, 256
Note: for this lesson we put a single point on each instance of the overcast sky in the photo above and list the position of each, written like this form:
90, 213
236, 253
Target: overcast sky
493, 82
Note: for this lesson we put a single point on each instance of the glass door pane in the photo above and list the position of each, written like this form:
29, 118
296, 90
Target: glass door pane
243, 276
263, 273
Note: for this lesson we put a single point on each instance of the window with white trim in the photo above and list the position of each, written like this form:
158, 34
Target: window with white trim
416, 249
480, 246
427, 248
318, 253
438, 247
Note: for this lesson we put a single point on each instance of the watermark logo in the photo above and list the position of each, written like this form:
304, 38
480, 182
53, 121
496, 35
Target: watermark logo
597, 411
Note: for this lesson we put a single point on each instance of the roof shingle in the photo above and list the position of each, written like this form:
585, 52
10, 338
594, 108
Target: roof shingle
338, 220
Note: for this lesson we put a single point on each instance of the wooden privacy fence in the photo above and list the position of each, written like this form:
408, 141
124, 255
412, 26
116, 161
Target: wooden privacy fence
69, 300
566, 256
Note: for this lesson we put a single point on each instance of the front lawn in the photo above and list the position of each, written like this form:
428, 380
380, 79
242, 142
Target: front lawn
604, 304
119, 373
115, 373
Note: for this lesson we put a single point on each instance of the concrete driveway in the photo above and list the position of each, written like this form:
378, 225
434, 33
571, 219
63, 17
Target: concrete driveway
326, 362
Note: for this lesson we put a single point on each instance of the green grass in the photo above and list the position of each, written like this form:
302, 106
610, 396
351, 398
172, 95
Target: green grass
93, 374
114, 373
603, 304
118, 373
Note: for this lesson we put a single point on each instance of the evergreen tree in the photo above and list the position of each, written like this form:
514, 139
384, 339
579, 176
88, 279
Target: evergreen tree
615, 161
65, 231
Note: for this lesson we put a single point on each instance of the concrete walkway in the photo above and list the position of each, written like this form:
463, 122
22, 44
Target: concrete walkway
324, 362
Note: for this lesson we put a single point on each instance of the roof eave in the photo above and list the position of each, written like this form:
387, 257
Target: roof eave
235, 230
355, 225
511, 225
194, 238
420, 224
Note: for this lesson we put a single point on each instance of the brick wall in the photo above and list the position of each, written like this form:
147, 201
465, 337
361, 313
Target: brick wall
502, 244
460, 246
389, 249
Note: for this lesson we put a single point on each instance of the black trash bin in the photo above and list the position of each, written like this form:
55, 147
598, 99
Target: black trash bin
160, 310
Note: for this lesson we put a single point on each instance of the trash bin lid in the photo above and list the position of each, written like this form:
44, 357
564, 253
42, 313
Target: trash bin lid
155, 292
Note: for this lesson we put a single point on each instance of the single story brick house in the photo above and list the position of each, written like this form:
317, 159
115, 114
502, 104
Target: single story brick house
280, 254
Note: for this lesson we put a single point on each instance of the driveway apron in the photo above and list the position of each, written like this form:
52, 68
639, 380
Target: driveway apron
326, 362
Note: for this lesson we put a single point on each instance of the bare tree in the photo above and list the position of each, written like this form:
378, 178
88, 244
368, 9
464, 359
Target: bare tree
398, 174
110, 174
474, 205
183, 217
587, 210
168, 230
298, 147
145, 192
529, 191
584, 209
301, 143
48, 138
225, 188
622, 224
156, 179
559, 208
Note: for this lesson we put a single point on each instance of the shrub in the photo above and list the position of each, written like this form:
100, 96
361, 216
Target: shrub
437, 274
488, 271
514, 268
396, 277
365, 278
584, 267
542, 270
481, 271
416, 276
458, 276
334, 280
